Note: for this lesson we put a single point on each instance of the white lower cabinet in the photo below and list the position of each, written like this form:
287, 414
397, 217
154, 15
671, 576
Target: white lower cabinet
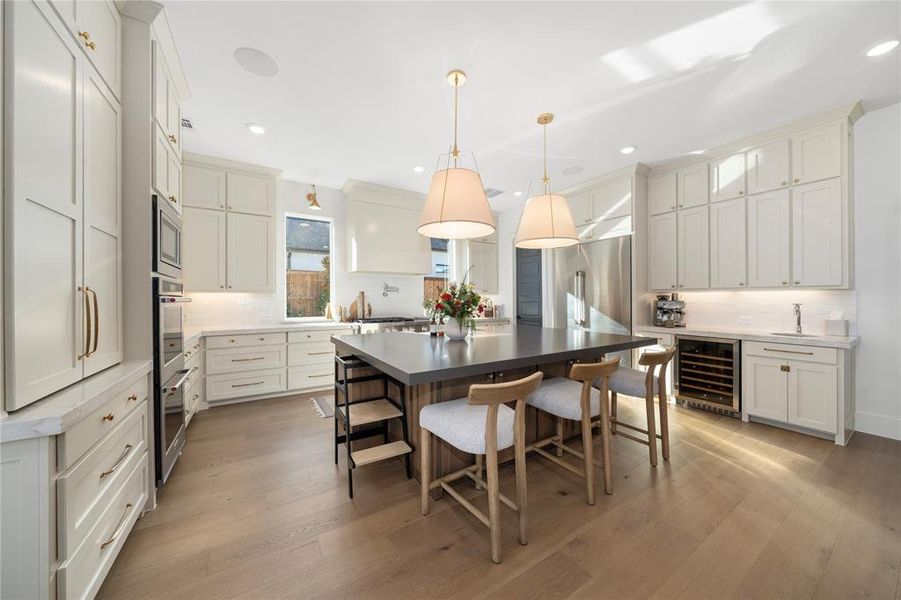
692, 248
797, 385
245, 383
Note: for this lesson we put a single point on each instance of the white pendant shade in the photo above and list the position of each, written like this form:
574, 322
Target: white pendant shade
546, 223
456, 206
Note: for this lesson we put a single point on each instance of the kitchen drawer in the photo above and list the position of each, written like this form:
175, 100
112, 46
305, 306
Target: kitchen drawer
228, 360
81, 575
313, 353
827, 356
664, 339
192, 350
86, 489
320, 335
194, 373
311, 377
237, 385
194, 394
249, 339
72, 444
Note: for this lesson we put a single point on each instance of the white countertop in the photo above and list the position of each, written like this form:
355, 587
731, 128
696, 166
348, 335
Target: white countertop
57, 412
824, 341
192, 333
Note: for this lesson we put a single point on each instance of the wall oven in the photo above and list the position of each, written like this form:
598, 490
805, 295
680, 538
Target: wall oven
166, 239
169, 373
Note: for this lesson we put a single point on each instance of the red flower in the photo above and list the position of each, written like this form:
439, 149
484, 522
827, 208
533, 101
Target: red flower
446, 297
481, 308
439, 306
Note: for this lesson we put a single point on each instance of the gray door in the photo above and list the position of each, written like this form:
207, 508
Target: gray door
528, 287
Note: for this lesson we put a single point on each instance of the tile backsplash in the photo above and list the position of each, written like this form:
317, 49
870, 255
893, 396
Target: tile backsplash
770, 310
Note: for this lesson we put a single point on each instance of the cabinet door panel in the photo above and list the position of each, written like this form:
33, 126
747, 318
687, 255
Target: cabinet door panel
161, 153
99, 19
251, 253
768, 167
161, 85
813, 395
727, 244
612, 199
693, 186
817, 233
102, 209
693, 249
174, 181
249, 194
483, 261
766, 389
203, 187
727, 178
580, 207
45, 312
662, 193
769, 262
662, 252
817, 154
204, 249
173, 118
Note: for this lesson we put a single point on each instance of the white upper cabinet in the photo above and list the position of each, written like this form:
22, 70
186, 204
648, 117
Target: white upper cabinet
817, 234
166, 109
768, 167
612, 199
204, 249
580, 207
166, 170
769, 226
727, 178
662, 252
97, 28
817, 154
251, 253
692, 186
203, 187
693, 250
483, 266
727, 244
662, 193
250, 194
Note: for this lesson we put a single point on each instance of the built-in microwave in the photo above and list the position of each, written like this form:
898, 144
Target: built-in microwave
166, 239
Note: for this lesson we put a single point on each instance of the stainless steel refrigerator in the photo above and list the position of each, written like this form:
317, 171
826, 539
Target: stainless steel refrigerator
593, 287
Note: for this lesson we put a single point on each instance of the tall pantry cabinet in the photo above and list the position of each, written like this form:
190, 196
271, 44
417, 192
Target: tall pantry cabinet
63, 218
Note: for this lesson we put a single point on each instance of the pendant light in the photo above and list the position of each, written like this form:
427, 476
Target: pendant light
313, 200
456, 206
546, 221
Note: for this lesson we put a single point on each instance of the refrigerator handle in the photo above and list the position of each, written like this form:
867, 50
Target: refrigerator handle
579, 285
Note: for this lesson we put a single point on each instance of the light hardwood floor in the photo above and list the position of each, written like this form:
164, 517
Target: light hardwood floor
256, 509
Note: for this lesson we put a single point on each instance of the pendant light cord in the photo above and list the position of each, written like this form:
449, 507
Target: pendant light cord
546, 179
456, 151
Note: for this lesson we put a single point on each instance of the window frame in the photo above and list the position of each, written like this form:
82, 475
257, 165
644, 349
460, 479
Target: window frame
331, 255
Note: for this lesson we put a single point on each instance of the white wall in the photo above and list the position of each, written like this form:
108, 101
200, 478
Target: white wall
877, 264
214, 310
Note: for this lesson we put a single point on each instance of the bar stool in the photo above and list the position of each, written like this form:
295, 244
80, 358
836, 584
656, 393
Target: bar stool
569, 399
481, 424
633, 382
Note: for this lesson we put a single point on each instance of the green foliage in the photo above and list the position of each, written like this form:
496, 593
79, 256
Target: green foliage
460, 301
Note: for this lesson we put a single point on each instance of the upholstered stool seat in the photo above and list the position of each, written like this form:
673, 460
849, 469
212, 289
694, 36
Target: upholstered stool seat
630, 382
463, 425
562, 398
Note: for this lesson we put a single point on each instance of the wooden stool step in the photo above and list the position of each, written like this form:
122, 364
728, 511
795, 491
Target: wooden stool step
381, 452
372, 411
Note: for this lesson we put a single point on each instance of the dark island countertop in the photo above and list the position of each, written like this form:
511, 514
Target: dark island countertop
418, 358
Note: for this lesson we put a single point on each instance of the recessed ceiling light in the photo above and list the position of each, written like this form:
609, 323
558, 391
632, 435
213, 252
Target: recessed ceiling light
697, 152
517, 194
418, 169
627, 150
256, 62
573, 170
257, 129
883, 48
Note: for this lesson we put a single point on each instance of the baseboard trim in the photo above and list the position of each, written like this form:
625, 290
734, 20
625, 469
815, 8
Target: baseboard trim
877, 424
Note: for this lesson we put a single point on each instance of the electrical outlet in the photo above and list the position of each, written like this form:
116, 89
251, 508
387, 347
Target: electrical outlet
745, 320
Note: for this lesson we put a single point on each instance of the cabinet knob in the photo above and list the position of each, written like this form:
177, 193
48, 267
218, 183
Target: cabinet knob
673, 285
172, 199
172, 138
796, 180
741, 283
133, 397
262, 339
797, 282
784, 283
681, 205
740, 192
672, 208
221, 287
108, 417
784, 183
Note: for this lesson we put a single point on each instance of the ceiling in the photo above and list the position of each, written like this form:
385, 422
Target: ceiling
361, 90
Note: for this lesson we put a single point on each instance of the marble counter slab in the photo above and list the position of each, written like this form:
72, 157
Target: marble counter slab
192, 333
823, 341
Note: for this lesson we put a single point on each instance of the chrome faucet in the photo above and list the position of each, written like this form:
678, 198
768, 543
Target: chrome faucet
797, 310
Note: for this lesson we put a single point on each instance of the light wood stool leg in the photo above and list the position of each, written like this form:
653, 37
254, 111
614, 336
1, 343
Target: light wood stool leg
652, 427
479, 471
664, 425
605, 446
424, 470
521, 495
588, 456
559, 437
494, 516
613, 412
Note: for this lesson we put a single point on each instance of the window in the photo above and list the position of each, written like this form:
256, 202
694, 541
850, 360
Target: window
435, 282
308, 246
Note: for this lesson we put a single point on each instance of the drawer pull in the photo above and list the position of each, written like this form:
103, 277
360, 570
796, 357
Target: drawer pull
323, 375
196, 396
235, 385
248, 359
315, 353
108, 417
262, 339
119, 462
788, 351
133, 398
119, 527
785, 369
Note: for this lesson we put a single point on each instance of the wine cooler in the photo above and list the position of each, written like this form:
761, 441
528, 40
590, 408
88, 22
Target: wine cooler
708, 374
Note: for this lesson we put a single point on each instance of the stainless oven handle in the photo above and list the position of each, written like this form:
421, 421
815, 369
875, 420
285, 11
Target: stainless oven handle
177, 300
174, 388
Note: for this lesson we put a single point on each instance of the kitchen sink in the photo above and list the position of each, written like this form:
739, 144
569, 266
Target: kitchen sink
795, 335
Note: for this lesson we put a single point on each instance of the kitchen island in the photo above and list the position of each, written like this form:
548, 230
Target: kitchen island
424, 369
